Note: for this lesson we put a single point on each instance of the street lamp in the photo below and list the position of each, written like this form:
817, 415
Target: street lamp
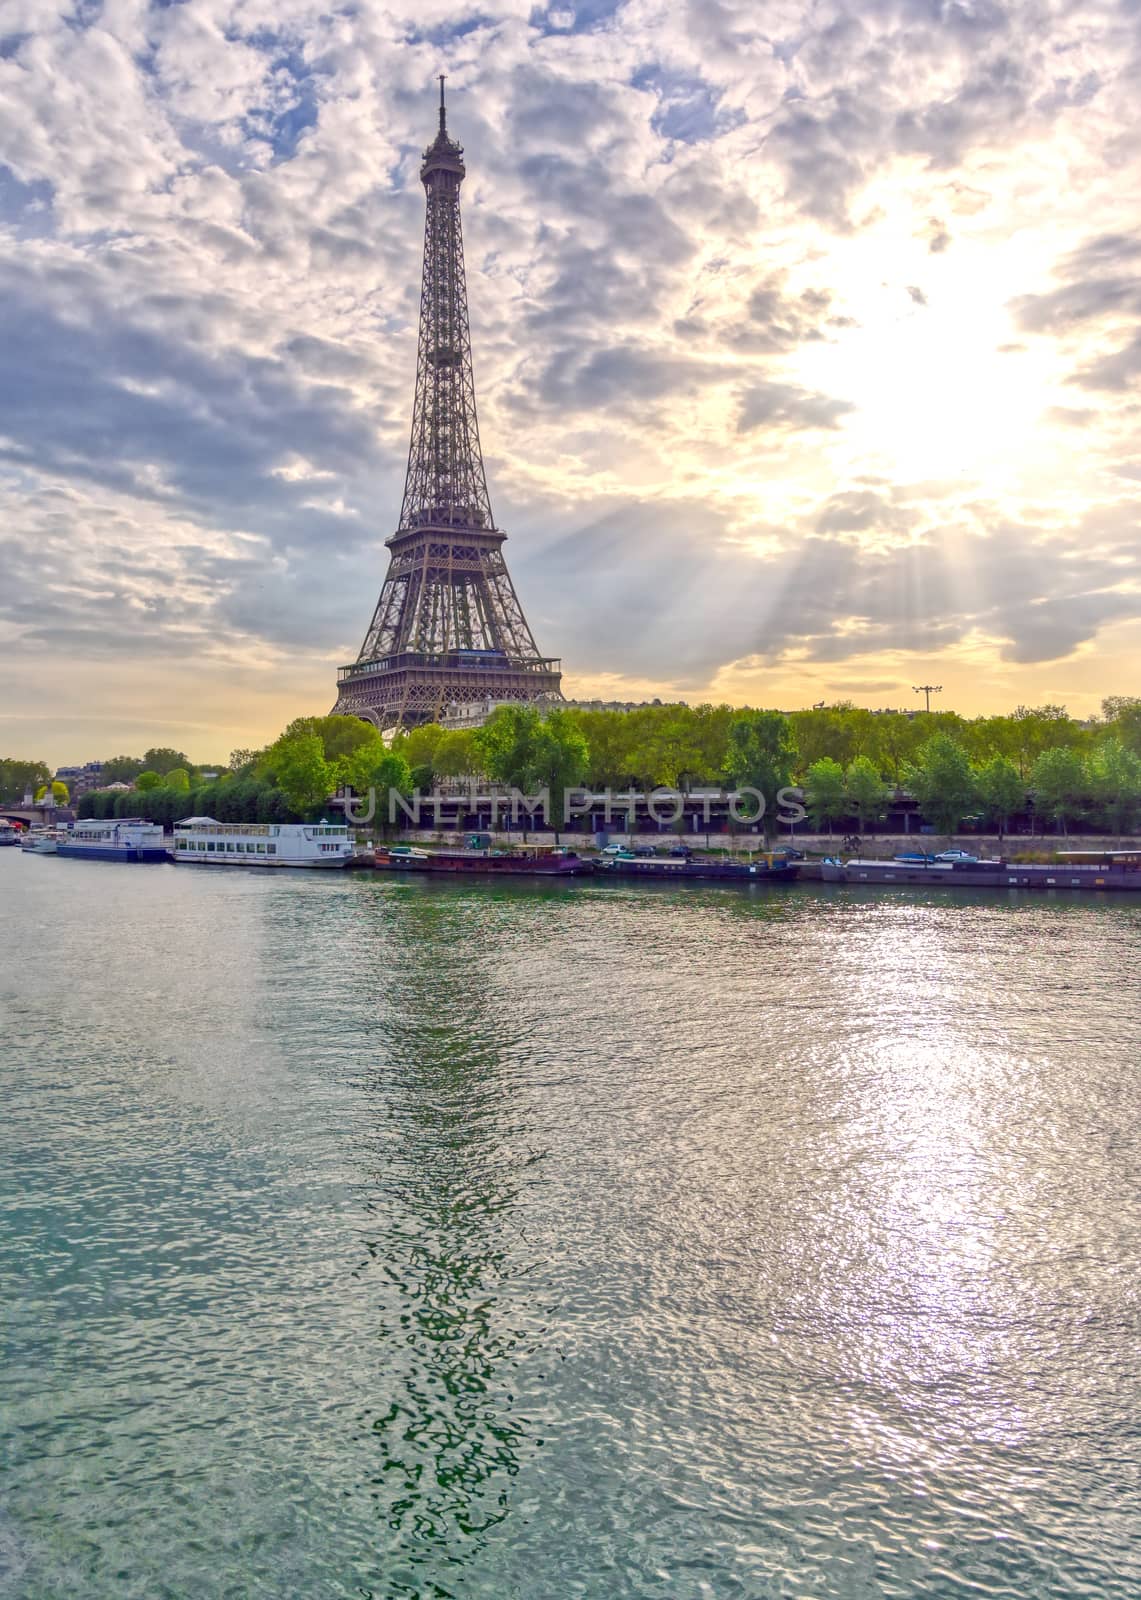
928, 689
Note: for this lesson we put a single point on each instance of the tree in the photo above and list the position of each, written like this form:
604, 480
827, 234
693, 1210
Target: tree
240, 760
1123, 713
379, 770
58, 791
1058, 785
504, 743
1115, 780
122, 769
177, 778
824, 793
303, 775
942, 782
339, 736
18, 777
162, 760
418, 747
455, 754
558, 760
760, 755
866, 791
520, 747
608, 738
147, 781
1001, 791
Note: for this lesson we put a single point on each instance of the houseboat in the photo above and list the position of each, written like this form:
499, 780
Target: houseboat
1089, 870
205, 843
485, 863
123, 839
766, 866
9, 832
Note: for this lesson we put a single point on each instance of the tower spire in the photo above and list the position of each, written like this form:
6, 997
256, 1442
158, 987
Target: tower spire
448, 628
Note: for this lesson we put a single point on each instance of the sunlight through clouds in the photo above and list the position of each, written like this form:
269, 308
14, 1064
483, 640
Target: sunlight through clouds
807, 342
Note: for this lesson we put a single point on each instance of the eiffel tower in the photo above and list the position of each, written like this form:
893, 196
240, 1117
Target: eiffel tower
448, 629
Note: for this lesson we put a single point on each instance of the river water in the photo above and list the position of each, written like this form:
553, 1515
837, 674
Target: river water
376, 1237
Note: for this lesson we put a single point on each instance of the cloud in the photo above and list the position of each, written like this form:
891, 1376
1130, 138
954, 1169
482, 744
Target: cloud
687, 230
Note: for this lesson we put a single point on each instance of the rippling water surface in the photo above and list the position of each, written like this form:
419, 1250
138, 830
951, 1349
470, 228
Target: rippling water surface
385, 1238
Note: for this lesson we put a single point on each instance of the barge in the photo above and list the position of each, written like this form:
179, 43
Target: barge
770, 866
1091, 870
484, 863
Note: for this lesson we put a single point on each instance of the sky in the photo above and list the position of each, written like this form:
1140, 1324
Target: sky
807, 348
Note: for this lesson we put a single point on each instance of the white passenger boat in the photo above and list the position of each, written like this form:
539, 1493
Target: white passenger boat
9, 833
122, 839
44, 841
205, 843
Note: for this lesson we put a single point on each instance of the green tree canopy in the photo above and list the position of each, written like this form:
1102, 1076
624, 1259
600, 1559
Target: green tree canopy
122, 769
824, 795
760, 755
161, 760
178, 779
866, 792
942, 782
1059, 785
58, 789
303, 774
18, 777
1001, 791
148, 780
1115, 782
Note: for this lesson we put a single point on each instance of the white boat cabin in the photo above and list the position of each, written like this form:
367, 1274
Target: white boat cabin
203, 842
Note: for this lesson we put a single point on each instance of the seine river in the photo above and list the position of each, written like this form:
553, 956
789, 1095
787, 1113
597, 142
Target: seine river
373, 1237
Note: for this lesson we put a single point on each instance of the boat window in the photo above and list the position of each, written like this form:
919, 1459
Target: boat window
271, 849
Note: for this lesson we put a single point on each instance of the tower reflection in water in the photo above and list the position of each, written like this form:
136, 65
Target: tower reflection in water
458, 1288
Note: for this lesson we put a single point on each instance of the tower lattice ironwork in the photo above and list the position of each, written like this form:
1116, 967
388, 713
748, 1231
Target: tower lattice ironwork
448, 629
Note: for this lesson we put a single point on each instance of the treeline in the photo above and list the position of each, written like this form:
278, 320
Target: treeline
850, 763
18, 777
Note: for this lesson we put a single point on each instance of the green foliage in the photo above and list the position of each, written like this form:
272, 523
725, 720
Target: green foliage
418, 748
178, 778
1115, 784
1058, 784
17, 777
455, 755
148, 780
340, 737
59, 792
824, 794
520, 746
1122, 713
760, 755
1001, 791
301, 770
161, 760
122, 769
942, 782
867, 794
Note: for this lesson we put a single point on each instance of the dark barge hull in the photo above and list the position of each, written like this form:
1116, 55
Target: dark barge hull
458, 861
687, 871
1094, 880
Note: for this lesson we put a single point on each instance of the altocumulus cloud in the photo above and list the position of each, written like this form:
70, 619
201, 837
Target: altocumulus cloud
680, 224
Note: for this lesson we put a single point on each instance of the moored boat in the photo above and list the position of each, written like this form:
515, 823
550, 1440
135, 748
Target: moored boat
202, 842
1093, 871
485, 863
9, 832
123, 839
773, 865
44, 841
